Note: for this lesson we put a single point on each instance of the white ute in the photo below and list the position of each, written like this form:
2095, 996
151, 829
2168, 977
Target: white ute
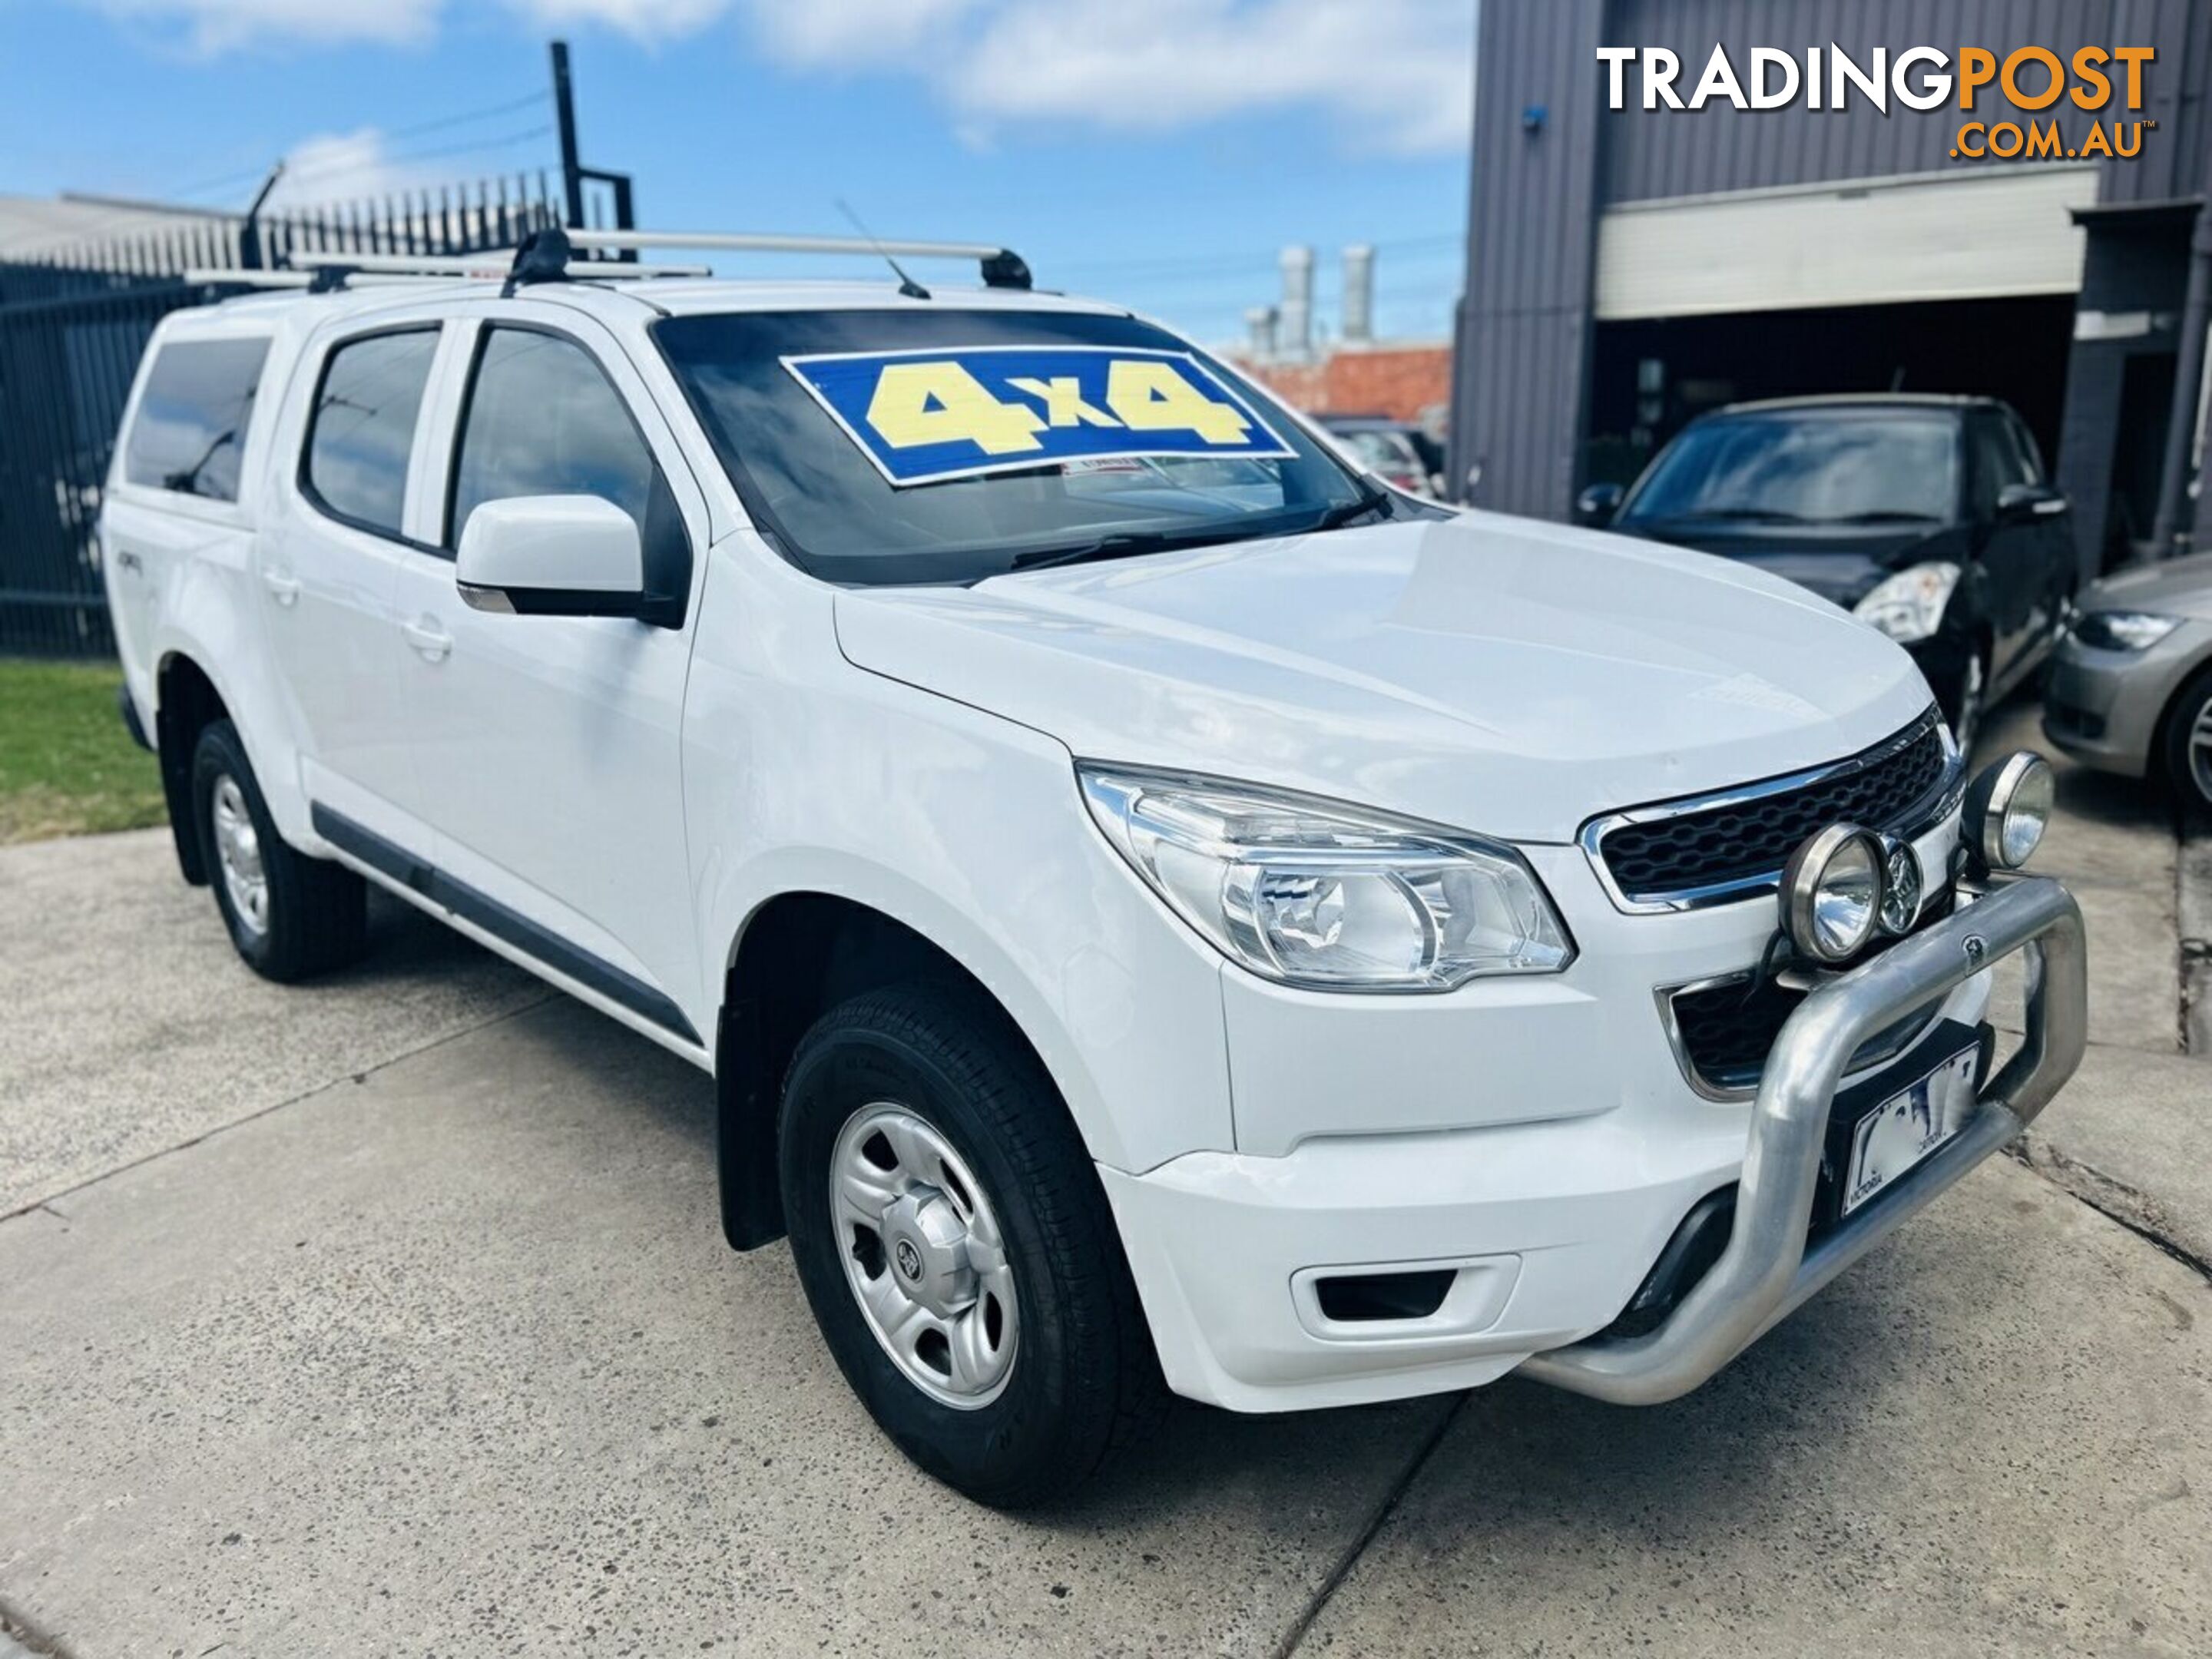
1158, 905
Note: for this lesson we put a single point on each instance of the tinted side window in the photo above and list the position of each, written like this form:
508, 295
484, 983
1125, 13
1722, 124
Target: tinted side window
363, 427
543, 421
190, 425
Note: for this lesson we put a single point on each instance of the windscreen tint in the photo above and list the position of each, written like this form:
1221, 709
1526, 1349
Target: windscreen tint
893, 446
1833, 469
190, 425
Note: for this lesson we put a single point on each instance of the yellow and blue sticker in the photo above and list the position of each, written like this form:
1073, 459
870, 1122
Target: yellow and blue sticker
923, 416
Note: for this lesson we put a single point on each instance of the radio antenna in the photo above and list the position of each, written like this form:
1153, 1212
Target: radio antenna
908, 287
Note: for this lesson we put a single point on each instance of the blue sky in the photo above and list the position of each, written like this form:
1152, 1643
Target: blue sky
1158, 151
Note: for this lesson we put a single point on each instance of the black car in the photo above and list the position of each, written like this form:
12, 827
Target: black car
1930, 518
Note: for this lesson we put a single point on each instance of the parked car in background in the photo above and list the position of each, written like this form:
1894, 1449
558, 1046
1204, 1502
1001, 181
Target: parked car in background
2131, 689
1396, 452
1930, 518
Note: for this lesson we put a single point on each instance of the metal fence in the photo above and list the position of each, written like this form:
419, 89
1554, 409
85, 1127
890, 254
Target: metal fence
73, 323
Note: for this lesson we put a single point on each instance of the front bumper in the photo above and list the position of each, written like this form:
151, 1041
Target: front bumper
1548, 1226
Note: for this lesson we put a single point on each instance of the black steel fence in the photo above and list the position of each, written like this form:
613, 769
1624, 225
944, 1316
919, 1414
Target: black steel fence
72, 325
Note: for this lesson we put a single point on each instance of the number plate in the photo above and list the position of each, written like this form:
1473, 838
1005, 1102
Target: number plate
1902, 1131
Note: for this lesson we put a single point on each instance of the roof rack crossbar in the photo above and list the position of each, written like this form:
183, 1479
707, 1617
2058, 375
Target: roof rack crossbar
492, 264
1002, 267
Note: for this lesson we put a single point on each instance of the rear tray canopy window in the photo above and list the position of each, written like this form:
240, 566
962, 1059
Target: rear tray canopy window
190, 425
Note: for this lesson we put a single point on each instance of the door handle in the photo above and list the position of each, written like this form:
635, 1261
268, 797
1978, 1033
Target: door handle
285, 589
431, 642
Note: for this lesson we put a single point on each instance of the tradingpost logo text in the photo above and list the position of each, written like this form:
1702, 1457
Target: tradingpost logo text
2096, 96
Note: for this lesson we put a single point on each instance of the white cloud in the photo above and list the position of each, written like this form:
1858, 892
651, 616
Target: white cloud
346, 166
1399, 72
210, 27
857, 34
650, 20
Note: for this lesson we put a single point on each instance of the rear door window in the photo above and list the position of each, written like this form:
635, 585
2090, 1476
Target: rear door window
363, 428
190, 430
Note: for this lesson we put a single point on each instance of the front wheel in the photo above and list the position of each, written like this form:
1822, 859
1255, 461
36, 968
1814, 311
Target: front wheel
2186, 745
957, 1249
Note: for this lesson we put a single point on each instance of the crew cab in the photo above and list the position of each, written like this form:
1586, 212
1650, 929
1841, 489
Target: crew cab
1163, 913
1928, 517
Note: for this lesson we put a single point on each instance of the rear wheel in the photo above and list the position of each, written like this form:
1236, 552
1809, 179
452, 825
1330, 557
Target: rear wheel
956, 1247
288, 914
2186, 745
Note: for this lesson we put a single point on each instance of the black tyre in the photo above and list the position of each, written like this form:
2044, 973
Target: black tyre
958, 1250
2185, 745
289, 915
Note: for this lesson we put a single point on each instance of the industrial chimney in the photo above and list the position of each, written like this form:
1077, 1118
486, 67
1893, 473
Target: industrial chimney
1295, 337
1358, 294
1260, 330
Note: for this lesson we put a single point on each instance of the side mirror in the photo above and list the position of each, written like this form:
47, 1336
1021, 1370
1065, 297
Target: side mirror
2019, 501
551, 556
1597, 504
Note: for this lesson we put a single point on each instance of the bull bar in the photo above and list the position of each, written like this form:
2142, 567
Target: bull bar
1768, 1268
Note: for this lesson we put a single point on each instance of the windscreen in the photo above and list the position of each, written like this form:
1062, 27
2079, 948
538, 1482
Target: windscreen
1834, 469
922, 446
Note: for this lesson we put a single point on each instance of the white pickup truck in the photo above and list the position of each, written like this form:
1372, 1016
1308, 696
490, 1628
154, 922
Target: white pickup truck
1157, 906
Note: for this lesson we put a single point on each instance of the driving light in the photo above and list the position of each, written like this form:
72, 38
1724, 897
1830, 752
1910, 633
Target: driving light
1909, 606
2007, 807
2123, 630
1831, 892
1311, 893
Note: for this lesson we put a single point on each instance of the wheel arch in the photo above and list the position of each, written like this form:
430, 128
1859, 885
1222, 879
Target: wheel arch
2159, 758
800, 953
186, 701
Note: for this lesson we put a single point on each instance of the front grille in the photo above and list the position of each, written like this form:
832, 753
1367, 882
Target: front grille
1723, 1031
1663, 853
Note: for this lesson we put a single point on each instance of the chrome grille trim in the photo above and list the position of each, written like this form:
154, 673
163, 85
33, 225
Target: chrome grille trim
1938, 804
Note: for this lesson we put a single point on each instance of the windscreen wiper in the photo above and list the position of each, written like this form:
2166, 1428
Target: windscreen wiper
1369, 501
1127, 544
1131, 543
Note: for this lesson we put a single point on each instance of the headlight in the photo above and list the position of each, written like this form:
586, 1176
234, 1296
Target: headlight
1307, 892
1909, 606
1831, 892
2123, 630
2007, 809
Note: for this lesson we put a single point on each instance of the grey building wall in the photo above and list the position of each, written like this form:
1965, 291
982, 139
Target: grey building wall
1534, 193
1521, 370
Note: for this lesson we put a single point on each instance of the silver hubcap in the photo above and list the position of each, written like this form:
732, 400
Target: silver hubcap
2200, 750
238, 849
924, 1256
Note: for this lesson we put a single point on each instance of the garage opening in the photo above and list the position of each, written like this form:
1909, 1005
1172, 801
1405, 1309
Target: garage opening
1651, 376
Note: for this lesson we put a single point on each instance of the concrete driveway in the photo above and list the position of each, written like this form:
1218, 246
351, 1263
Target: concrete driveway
389, 1315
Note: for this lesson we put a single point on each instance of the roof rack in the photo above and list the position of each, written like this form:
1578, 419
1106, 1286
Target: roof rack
493, 264
547, 256
1002, 267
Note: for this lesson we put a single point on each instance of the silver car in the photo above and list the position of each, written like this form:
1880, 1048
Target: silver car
2130, 691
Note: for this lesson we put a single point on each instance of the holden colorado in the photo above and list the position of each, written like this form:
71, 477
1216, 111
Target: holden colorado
1163, 912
